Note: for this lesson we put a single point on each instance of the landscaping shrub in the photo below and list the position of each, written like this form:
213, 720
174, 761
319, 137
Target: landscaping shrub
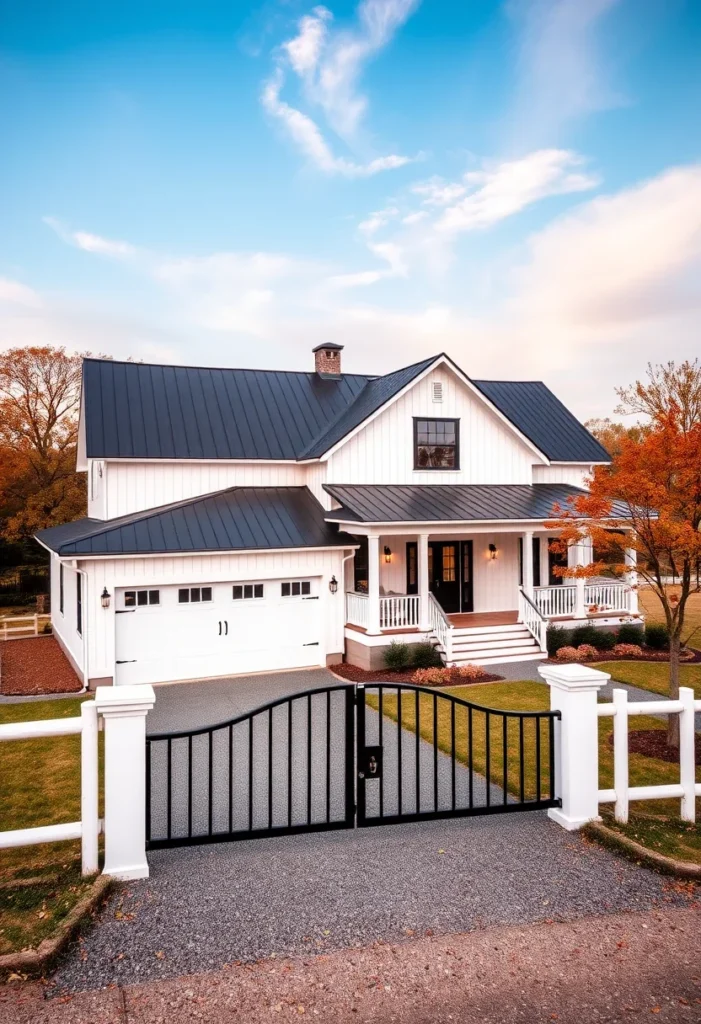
431, 676
425, 655
557, 638
657, 636
629, 634
567, 654
470, 673
585, 651
628, 650
585, 635
605, 640
397, 656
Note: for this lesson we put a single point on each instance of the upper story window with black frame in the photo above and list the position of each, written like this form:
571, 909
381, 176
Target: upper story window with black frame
436, 444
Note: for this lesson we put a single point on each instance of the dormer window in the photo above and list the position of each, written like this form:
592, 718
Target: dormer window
436, 444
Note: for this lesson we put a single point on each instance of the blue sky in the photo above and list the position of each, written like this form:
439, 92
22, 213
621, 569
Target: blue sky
516, 183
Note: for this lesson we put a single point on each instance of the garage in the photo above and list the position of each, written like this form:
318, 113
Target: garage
198, 631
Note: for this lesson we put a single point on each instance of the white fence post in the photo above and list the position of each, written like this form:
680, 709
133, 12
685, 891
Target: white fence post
573, 692
89, 788
124, 709
620, 754
687, 757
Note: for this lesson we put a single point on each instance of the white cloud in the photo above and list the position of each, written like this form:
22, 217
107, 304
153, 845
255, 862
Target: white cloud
91, 243
509, 187
328, 65
14, 293
561, 74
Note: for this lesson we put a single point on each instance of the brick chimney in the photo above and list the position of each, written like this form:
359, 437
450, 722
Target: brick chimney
327, 360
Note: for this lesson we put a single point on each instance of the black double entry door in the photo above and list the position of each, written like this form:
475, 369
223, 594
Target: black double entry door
449, 573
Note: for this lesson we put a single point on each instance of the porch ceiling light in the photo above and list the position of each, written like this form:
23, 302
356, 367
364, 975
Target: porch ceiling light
105, 598
492, 551
388, 554
333, 584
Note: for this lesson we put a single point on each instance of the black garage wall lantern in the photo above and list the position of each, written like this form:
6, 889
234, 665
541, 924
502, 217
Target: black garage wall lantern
333, 584
105, 598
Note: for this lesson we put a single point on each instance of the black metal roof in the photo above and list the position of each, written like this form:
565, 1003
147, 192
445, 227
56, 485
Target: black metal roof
238, 518
425, 503
146, 411
541, 416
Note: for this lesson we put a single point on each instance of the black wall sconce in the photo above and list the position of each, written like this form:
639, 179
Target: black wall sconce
105, 598
388, 554
492, 551
333, 584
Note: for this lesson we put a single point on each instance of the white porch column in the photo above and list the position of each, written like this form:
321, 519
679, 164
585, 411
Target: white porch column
631, 556
528, 562
573, 692
124, 709
422, 580
576, 556
373, 584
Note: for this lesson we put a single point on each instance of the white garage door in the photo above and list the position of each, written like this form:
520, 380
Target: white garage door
194, 632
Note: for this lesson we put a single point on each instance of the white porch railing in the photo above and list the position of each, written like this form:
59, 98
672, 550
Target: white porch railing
89, 826
608, 597
441, 628
357, 609
554, 601
398, 611
533, 620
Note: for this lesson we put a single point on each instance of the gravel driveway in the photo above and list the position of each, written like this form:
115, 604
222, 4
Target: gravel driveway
204, 906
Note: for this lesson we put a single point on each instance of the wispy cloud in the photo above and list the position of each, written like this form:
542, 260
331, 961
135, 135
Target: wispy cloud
561, 73
328, 64
14, 293
91, 243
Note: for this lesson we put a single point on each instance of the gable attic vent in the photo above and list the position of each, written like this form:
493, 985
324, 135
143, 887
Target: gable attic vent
327, 360
437, 390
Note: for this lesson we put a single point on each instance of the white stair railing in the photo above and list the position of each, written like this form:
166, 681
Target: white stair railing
533, 620
399, 610
441, 628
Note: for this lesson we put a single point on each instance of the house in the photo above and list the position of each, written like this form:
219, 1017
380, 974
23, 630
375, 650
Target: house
250, 520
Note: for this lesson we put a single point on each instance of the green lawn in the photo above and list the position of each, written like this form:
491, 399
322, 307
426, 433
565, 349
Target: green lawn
650, 605
533, 696
39, 785
652, 675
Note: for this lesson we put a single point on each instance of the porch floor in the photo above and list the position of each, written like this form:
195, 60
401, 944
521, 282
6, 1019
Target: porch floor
468, 619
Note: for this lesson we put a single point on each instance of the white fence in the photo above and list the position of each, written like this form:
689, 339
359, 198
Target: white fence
122, 710
11, 630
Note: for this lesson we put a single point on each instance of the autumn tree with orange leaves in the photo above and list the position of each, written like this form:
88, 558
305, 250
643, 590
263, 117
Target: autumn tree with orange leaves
649, 500
39, 402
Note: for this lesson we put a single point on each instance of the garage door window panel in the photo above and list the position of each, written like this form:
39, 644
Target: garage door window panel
248, 591
296, 588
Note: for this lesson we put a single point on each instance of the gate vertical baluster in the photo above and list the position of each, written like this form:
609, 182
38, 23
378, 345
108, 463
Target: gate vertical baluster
505, 752
435, 751
250, 774
210, 787
231, 778
522, 787
360, 744
189, 786
270, 767
399, 750
328, 757
148, 791
381, 727
169, 795
418, 751
350, 771
488, 739
551, 737
289, 763
537, 758
469, 756
452, 754
309, 759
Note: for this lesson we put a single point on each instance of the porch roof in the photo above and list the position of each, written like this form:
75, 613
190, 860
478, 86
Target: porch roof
425, 503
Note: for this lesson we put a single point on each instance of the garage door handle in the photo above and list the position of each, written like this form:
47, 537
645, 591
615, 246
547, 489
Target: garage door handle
316, 598
226, 627
129, 661
125, 611
315, 644
220, 629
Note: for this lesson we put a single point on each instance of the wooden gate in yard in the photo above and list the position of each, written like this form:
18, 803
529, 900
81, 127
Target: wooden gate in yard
344, 756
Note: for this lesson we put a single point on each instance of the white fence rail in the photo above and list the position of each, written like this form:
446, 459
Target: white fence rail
687, 789
11, 630
357, 609
441, 628
532, 619
398, 611
88, 828
608, 597
561, 600
554, 601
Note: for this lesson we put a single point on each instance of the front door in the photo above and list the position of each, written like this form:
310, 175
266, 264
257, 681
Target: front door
444, 574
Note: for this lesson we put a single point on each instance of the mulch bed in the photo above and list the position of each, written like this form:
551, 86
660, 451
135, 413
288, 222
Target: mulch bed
35, 665
359, 675
689, 656
653, 743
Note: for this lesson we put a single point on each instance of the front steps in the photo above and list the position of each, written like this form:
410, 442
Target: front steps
492, 645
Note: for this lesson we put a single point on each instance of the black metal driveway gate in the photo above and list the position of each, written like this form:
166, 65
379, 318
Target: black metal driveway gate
300, 764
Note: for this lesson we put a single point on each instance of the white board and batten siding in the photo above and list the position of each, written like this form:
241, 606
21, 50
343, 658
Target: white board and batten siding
383, 451
222, 571
575, 474
65, 623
